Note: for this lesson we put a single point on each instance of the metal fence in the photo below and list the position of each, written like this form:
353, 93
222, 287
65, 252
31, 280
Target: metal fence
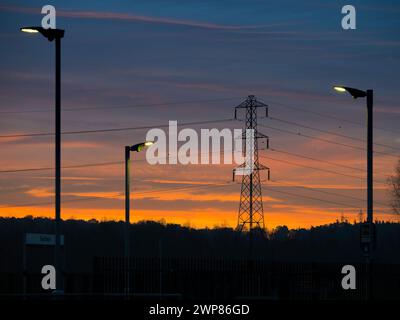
215, 278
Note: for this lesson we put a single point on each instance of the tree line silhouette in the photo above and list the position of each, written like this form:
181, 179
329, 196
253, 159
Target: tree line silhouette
84, 240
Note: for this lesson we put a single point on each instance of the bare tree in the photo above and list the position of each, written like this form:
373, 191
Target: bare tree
394, 182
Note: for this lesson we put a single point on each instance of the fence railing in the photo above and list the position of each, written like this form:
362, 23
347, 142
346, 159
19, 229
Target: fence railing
215, 278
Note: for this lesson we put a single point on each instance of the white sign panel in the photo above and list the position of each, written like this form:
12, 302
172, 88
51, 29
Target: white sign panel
41, 239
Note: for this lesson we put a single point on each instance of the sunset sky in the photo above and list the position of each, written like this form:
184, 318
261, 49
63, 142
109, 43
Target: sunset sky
143, 63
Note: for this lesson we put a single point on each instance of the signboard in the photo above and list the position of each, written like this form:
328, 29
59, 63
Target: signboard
42, 239
366, 233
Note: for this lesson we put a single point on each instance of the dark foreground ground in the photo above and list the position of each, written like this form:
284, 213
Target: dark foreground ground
170, 262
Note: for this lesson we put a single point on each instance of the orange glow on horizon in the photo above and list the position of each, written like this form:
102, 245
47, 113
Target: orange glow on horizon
300, 217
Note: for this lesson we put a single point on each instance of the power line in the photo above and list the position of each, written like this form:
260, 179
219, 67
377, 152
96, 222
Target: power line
65, 167
193, 123
33, 204
43, 134
96, 164
318, 160
312, 198
299, 134
325, 192
320, 169
329, 132
317, 190
222, 184
117, 195
316, 199
325, 115
122, 107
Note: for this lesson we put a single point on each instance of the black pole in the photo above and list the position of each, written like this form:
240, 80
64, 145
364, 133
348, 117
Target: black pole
370, 198
58, 264
127, 200
127, 217
370, 156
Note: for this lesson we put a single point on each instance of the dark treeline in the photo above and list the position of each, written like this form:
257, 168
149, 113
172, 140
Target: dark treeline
84, 240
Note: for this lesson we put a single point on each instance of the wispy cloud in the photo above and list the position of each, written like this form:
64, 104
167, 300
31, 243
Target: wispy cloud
40, 192
133, 17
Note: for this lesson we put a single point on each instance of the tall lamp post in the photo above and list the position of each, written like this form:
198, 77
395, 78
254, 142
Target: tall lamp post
367, 229
137, 147
55, 34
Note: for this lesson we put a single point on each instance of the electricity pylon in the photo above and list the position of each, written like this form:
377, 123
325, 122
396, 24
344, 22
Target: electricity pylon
251, 212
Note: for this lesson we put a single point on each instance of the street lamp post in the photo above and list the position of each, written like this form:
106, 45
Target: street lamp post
370, 103
127, 200
137, 147
55, 34
367, 230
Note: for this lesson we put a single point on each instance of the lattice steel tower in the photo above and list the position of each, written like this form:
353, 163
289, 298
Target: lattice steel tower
251, 212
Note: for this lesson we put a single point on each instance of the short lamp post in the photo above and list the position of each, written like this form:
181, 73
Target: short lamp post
128, 149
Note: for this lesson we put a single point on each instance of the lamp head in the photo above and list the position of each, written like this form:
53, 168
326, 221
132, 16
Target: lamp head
49, 34
29, 30
355, 93
140, 146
